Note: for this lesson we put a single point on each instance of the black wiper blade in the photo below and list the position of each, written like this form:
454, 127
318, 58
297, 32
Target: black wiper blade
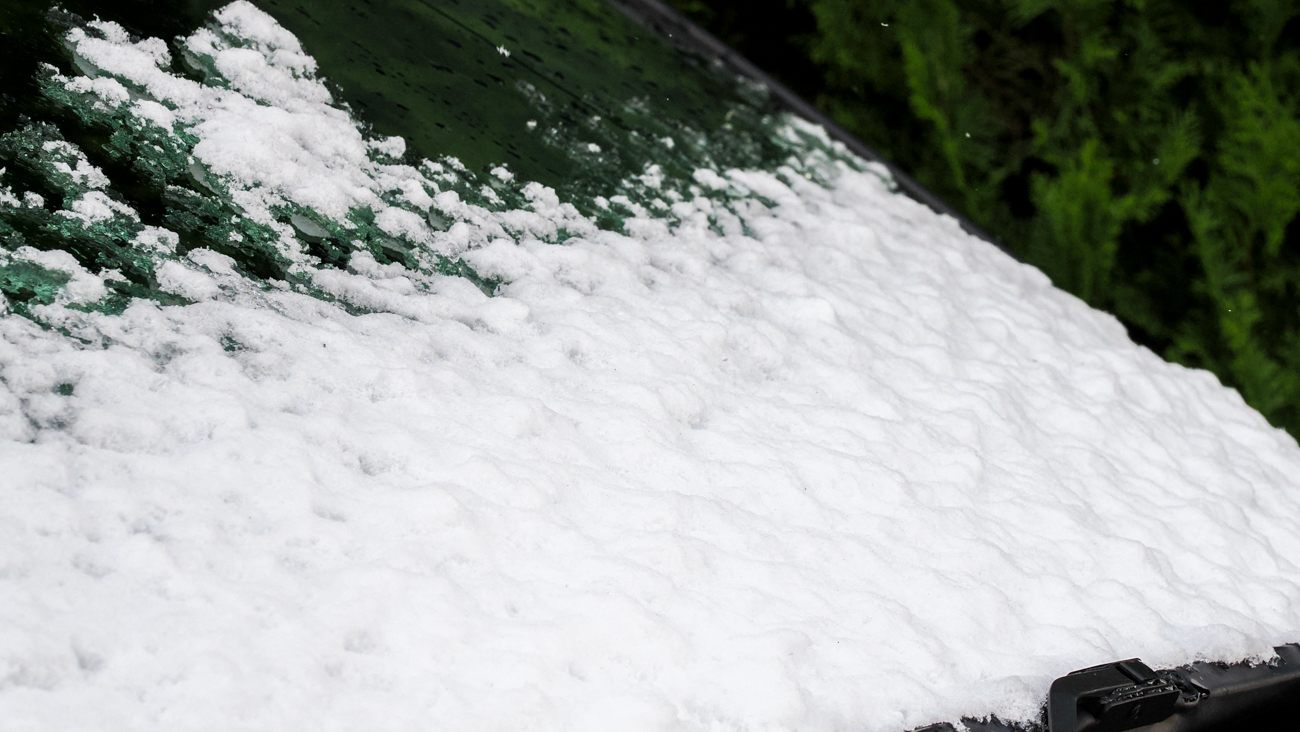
1116, 696
1202, 697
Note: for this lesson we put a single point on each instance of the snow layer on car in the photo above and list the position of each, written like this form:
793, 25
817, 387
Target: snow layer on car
844, 467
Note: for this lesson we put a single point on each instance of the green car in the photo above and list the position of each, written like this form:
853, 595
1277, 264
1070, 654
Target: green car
526, 364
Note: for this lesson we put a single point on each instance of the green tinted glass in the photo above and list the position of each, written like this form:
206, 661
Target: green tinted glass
488, 97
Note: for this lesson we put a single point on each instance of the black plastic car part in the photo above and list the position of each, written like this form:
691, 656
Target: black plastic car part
1202, 697
1116, 696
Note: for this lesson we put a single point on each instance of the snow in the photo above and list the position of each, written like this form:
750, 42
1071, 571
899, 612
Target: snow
95, 206
7, 197
80, 171
844, 467
82, 286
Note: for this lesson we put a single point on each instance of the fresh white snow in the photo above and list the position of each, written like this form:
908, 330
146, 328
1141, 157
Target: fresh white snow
851, 470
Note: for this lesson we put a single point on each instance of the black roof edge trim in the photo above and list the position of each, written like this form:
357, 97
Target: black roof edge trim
686, 35
1200, 697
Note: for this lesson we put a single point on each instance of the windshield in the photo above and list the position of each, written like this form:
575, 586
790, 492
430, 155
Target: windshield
499, 364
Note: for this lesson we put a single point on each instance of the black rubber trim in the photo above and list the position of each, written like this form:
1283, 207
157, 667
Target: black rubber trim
686, 35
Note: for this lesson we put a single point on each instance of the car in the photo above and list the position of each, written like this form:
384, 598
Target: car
403, 365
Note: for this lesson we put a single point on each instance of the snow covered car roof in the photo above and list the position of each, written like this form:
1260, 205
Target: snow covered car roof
532, 375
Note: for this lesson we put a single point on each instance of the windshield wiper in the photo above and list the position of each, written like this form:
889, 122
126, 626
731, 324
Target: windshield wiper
1202, 697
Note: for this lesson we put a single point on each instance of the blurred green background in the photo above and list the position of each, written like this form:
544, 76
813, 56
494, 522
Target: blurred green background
1145, 154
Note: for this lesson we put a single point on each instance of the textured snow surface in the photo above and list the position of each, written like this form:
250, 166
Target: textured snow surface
851, 470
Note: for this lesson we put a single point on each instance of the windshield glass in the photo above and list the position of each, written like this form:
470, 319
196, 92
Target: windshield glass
501, 365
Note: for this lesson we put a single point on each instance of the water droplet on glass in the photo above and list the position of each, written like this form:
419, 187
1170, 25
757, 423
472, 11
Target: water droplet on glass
308, 229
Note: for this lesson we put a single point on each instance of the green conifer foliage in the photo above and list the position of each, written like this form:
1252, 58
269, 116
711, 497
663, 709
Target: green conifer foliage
1145, 154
